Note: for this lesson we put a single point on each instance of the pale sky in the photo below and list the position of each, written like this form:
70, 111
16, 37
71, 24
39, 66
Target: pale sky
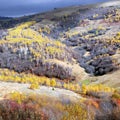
25, 7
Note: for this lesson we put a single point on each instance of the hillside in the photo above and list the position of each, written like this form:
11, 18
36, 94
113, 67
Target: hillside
69, 56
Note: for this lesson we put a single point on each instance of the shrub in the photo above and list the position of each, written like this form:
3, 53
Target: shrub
53, 83
116, 113
116, 95
97, 88
34, 86
11, 110
76, 112
36, 107
18, 97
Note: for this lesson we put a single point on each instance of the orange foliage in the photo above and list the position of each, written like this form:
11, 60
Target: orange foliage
118, 102
95, 104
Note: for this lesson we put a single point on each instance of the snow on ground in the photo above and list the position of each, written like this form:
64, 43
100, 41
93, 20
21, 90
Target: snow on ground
110, 3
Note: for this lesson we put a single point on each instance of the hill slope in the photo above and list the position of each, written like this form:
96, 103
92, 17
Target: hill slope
75, 48
80, 35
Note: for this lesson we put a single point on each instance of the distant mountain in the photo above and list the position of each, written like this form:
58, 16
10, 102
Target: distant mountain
8, 22
5, 18
27, 7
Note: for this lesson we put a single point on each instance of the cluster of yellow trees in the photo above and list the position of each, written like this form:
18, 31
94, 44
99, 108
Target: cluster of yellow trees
11, 76
17, 96
96, 88
113, 16
25, 36
74, 87
35, 81
53, 50
116, 38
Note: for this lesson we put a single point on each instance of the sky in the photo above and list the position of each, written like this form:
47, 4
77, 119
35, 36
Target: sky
16, 8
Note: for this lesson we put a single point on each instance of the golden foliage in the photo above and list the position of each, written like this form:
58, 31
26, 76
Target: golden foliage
96, 88
34, 86
35, 81
17, 96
